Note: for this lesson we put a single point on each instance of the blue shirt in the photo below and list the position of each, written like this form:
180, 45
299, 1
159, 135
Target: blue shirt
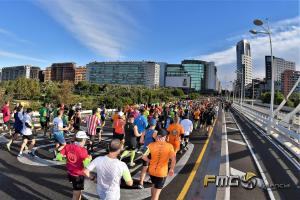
148, 137
141, 123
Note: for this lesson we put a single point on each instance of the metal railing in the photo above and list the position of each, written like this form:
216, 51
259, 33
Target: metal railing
287, 137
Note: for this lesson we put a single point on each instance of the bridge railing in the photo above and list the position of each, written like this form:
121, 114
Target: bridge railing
287, 137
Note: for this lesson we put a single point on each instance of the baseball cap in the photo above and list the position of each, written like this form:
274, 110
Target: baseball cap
120, 114
162, 133
152, 122
81, 135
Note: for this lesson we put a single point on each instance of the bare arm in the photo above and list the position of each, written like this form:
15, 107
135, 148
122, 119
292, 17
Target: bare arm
136, 132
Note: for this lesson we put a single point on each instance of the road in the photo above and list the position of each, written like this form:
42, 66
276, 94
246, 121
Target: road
234, 146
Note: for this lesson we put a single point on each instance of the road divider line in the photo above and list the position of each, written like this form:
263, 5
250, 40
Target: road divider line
237, 142
192, 175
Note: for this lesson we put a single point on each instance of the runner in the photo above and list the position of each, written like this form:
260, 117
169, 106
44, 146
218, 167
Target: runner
58, 132
110, 170
119, 127
131, 133
27, 133
188, 128
147, 138
175, 132
141, 122
196, 118
158, 155
114, 118
209, 118
77, 121
18, 126
77, 158
92, 122
6, 116
43, 118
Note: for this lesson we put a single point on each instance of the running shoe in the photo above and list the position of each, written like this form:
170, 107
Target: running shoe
20, 155
131, 164
8, 146
140, 186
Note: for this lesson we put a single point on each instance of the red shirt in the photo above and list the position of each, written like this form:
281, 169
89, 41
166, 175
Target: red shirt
75, 155
6, 113
92, 122
119, 126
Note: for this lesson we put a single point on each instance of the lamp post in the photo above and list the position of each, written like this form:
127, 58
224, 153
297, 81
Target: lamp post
242, 85
267, 31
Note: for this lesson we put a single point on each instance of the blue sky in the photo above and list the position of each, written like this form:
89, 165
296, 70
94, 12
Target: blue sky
42, 32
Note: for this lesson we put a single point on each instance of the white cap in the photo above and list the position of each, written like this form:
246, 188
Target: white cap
81, 135
120, 114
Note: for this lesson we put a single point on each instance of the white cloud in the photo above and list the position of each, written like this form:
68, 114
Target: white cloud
13, 37
286, 44
103, 26
19, 56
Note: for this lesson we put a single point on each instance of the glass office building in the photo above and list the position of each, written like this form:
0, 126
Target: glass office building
124, 73
195, 69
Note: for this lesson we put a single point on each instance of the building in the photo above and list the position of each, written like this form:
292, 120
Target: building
279, 66
211, 76
162, 77
63, 71
47, 74
288, 80
80, 74
42, 75
189, 74
124, 73
0, 75
27, 71
244, 63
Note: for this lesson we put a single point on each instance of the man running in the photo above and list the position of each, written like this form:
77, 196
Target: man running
6, 116
92, 122
27, 133
58, 132
77, 159
158, 155
188, 128
196, 118
43, 118
141, 122
131, 133
18, 125
119, 127
110, 170
147, 138
175, 132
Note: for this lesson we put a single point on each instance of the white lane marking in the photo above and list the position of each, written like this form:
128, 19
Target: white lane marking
237, 142
239, 173
286, 154
37, 161
270, 192
235, 129
227, 190
90, 187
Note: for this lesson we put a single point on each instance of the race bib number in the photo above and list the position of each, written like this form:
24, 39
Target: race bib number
174, 132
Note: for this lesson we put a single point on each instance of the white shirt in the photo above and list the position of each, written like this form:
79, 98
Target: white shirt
187, 126
109, 174
57, 123
26, 130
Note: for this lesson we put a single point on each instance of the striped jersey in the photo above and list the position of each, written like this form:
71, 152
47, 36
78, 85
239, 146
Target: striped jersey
92, 122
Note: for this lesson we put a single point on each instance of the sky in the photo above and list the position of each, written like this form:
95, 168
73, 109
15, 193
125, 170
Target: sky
40, 32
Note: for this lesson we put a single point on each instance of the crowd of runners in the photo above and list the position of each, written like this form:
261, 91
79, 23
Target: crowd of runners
159, 132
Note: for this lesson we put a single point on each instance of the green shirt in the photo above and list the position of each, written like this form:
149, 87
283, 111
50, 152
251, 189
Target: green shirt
43, 114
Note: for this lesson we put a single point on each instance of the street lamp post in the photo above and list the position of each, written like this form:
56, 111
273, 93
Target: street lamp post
267, 31
242, 86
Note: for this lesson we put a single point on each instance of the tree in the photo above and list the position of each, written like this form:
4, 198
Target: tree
278, 97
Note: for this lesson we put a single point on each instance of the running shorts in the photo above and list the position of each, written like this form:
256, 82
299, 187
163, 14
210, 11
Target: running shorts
158, 182
28, 137
118, 136
59, 137
77, 182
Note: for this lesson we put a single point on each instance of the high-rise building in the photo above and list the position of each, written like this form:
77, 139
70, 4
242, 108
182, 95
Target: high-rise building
279, 66
288, 80
63, 71
176, 76
244, 63
47, 74
210, 76
0, 75
162, 77
80, 74
196, 70
27, 71
124, 73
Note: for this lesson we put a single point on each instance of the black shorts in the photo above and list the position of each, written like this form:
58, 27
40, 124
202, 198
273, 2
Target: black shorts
28, 137
44, 124
208, 122
131, 143
186, 136
145, 163
98, 129
118, 136
77, 181
158, 182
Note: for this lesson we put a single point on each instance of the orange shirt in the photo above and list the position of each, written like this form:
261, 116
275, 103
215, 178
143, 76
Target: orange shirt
161, 152
175, 130
115, 117
197, 114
